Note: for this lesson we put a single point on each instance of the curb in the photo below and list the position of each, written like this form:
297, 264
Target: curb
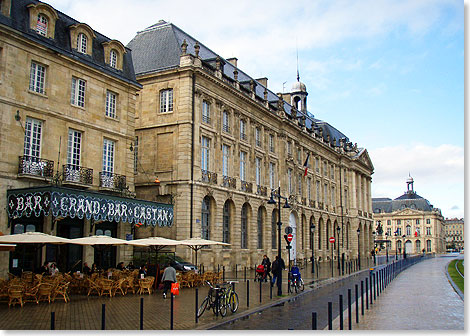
454, 286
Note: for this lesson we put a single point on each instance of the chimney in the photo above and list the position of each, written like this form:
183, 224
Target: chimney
233, 61
263, 81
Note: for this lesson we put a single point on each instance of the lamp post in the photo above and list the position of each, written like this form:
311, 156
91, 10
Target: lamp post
279, 224
374, 247
338, 229
312, 231
359, 247
396, 245
386, 245
404, 250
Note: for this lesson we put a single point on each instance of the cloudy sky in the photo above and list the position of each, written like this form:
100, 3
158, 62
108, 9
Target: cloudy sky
387, 73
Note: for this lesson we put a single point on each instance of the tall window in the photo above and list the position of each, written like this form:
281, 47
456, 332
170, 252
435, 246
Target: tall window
325, 193
260, 228
243, 166
258, 136
225, 159
299, 184
333, 197
309, 188
206, 112
399, 231
418, 246
258, 170
408, 230
290, 187
77, 97
82, 43
41, 26
244, 227
32, 137
225, 122
113, 58
417, 222
428, 221
428, 245
242, 129
389, 231
166, 101
317, 187
271, 143
74, 148
205, 218
319, 235
271, 175
37, 78
399, 245
108, 156
289, 148
332, 172
428, 230
346, 198
226, 223
205, 153
274, 229
317, 165
299, 156
111, 104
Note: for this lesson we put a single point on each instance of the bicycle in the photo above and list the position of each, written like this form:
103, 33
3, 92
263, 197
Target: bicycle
295, 280
230, 297
213, 300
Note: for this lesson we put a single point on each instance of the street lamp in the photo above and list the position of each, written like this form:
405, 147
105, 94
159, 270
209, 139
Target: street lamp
312, 231
386, 245
338, 229
374, 247
404, 250
279, 224
396, 245
359, 247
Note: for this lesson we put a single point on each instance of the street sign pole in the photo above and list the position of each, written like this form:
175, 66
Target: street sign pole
332, 241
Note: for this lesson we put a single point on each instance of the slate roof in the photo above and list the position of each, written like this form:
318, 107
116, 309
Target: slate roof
19, 21
158, 48
409, 199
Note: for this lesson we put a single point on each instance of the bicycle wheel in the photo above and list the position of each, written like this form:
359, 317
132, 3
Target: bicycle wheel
233, 302
223, 306
202, 307
301, 285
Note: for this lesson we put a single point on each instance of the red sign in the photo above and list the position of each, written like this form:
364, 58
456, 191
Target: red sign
332, 239
290, 237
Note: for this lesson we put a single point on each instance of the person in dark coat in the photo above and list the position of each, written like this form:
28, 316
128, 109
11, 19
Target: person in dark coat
86, 269
277, 267
267, 268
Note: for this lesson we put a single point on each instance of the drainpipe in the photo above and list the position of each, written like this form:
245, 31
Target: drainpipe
192, 158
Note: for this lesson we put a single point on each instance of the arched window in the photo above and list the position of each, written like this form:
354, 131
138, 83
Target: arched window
82, 43
260, 228
274, 229
113, 58
30, 228
418, 246
226, 223
399, 245
244, 227
205, 218
19, 228
428, 245
319, 234
408, 230
41, 26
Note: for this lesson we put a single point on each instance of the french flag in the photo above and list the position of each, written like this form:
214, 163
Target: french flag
306, 164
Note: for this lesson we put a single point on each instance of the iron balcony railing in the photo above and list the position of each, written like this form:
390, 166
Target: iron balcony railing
77, 174
34, 166
209, 177
229, 182
247, 186
206, 119
112, 181
262, 191
226, 128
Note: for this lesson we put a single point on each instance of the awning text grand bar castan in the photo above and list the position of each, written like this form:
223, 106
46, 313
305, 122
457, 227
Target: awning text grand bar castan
65, 202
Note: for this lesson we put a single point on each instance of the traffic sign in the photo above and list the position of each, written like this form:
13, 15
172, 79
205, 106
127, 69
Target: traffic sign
332, 240
288, 229
290, 237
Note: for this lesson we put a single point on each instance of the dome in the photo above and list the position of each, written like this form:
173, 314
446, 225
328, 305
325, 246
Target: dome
299, 87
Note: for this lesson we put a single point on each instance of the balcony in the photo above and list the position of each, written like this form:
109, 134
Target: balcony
77, 174
304, 201
226, 128
311, 203
320, 205
359, 212
112, 181
262, 191
208, 177
247, 186
229, 182
258, 143
206, 119
243, 136
34, 166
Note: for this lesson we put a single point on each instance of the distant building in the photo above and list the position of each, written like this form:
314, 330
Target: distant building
454, 233
408, 221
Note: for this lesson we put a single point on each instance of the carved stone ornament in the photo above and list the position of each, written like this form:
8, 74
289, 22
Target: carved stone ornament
210, 191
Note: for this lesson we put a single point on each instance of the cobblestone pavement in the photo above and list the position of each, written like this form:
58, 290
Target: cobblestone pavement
420, 298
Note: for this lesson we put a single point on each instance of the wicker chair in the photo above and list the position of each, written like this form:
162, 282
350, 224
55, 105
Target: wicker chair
31, 294
130, 284
61, 291
93, 286
45, 292
120, 285
106, 287
145, 285
15, 295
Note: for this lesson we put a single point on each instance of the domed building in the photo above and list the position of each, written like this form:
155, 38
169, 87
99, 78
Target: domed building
408, 224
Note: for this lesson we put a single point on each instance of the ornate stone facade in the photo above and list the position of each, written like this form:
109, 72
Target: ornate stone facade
455, 234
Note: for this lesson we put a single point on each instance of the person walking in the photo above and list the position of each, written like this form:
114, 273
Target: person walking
277, 267
267, 268
169, 277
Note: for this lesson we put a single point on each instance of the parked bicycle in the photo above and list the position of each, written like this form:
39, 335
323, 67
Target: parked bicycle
213, 301
230, 297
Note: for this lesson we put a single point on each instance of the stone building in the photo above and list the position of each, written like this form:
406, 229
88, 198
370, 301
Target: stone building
408, 222
455, 234
67, 101
219, 141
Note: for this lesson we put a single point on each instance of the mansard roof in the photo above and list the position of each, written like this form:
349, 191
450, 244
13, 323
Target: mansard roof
61, 44
409, 199
158, 48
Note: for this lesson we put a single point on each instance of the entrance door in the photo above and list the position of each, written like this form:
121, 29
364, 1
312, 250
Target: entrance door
293, 225
26, 257
408, 247
69, 256
105, 255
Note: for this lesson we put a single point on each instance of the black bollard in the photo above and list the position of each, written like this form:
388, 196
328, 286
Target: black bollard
236, 271
341, 327
314, 321
141, 313
367, 293
218, 268
223, 273
349, 309
52, 320
247, 293
103, 316
373, 281
260, 291
196, 305
270, 290
356, 292
362, 302
171, 313
330, 315
371, 289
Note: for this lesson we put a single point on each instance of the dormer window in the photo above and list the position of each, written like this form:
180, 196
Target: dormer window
41, 26
113, 58
82, 43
